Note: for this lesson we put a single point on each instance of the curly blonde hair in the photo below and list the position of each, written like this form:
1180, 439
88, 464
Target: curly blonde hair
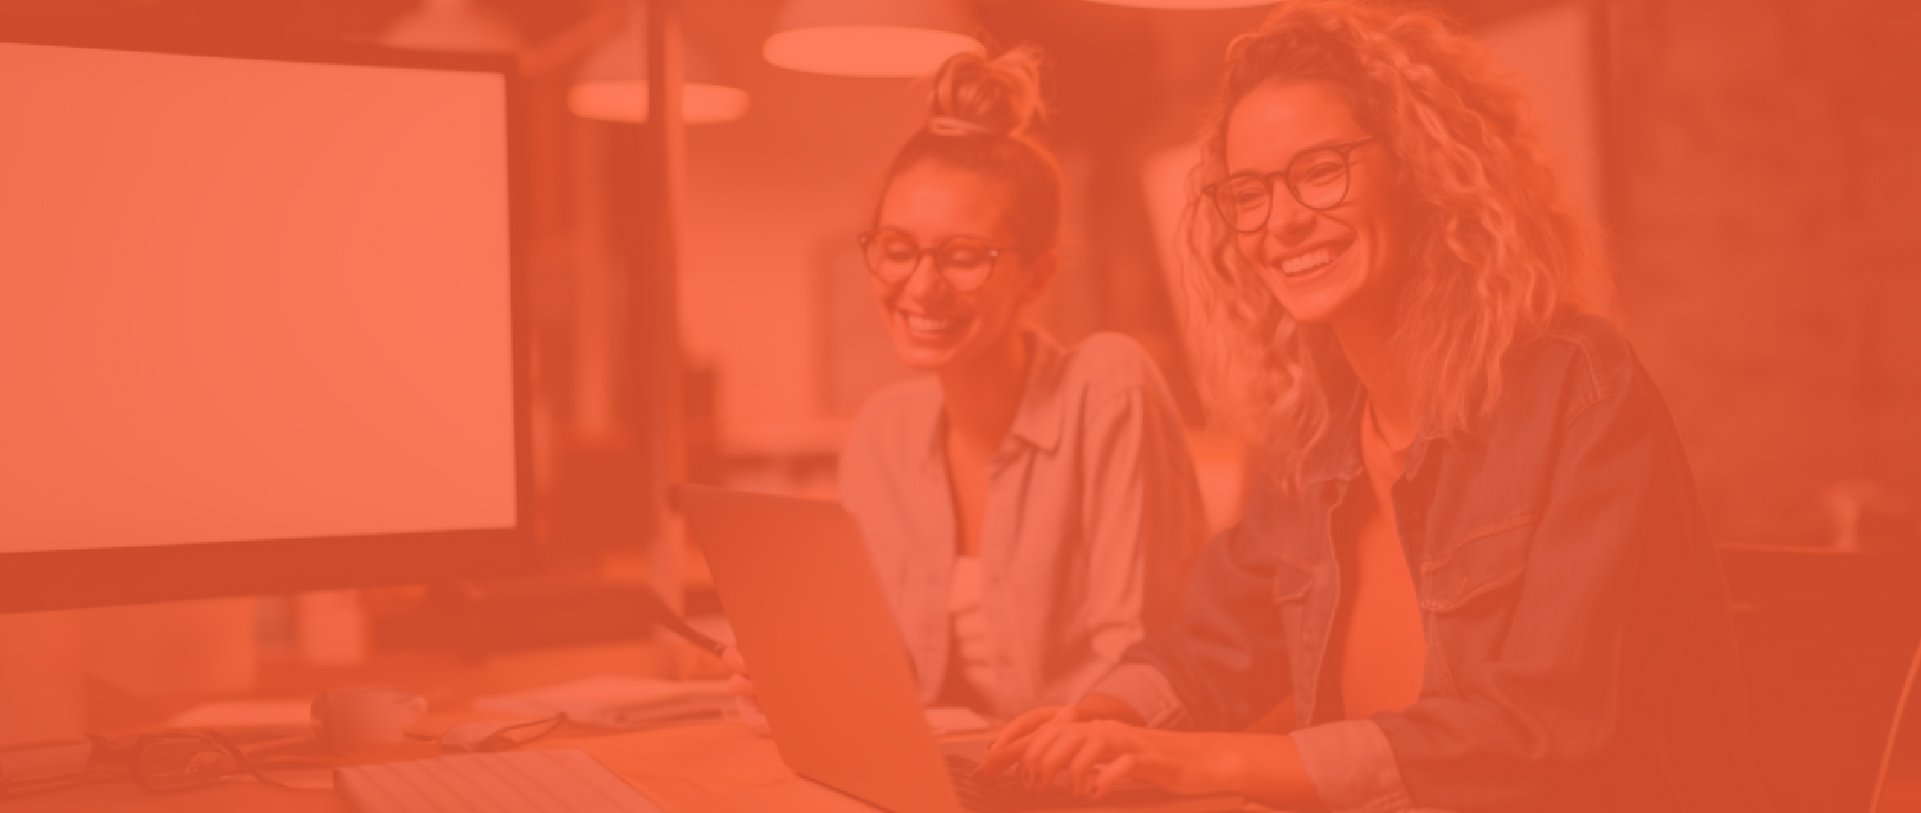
1500, 251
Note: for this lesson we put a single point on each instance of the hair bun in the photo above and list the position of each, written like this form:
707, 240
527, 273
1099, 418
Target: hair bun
975, 95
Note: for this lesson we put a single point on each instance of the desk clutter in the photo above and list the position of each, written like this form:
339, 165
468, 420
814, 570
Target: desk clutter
615, 701
551, 781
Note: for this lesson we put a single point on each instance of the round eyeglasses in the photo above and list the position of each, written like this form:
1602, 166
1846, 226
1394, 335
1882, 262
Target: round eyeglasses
1317, 178
964, 262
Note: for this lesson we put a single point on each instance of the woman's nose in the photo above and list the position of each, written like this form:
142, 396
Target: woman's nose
924, 281
1289, 222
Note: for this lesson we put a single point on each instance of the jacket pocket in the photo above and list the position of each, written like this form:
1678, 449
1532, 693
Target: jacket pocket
1482, 561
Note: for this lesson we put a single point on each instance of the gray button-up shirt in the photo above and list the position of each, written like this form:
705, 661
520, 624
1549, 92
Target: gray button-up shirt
1092, 517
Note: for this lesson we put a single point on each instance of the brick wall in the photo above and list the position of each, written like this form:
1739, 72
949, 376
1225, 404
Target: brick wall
1765, 203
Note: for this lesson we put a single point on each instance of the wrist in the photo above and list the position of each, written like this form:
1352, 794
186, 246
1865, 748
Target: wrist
1102, 706
1226, 767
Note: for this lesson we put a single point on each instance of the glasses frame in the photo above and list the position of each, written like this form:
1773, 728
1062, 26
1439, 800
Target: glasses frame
1345, 149
866, 238
242, 760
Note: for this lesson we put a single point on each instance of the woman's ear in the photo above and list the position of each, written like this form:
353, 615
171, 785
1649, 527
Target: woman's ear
1040, 272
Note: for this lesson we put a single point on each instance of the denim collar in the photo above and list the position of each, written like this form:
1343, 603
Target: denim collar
1337, 456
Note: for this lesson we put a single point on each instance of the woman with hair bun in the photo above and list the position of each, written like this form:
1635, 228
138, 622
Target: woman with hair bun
1030, 507
1474, 569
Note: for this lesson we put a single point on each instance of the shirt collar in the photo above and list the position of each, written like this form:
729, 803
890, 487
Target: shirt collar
1037, 421
1039, 415
1337, 456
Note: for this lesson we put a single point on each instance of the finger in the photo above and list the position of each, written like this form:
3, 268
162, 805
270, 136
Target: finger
731, 657
1026, 724
1012, 742
1113, 773
750, 715
1002, 755
742, 686
1080, 769
1050, 763
1038, 745
1011, 756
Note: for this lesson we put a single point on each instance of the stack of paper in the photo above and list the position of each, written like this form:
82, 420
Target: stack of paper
615, 701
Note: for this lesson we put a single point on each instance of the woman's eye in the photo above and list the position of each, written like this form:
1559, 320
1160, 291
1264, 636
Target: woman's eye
962, 256
1321, 170
1243, 195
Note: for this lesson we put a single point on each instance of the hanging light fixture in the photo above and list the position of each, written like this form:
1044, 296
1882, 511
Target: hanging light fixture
873, 38
1186, 4
452, 25
612, 85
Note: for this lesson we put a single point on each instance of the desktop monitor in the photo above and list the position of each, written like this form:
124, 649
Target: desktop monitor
261, 323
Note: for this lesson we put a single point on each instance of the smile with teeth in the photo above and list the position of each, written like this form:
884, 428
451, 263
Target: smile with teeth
920, 323
1307, 262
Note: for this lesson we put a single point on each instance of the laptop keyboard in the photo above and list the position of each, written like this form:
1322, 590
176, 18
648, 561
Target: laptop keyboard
1004, 793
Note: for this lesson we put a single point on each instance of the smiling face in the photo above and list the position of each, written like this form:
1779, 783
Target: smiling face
932, 324
1322, 265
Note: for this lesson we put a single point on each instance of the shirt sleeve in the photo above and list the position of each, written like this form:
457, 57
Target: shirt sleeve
1142, 515
1222, 661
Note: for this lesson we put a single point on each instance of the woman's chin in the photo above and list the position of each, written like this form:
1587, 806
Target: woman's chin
923, 355
930, 353
1315, 304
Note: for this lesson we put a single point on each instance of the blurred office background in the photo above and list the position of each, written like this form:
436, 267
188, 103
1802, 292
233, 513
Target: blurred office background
700, 311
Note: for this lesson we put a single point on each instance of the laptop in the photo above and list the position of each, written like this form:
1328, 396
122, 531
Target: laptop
832, 673
1898, 787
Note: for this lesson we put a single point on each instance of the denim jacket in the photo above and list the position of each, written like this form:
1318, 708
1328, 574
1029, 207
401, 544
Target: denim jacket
1578, 645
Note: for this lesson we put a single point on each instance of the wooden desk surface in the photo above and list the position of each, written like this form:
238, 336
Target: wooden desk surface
709, 767
719, 767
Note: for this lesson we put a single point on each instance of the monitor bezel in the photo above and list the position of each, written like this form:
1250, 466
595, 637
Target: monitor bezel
67, 579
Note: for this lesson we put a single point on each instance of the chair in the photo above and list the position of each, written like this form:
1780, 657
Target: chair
1898, 785
1825, 639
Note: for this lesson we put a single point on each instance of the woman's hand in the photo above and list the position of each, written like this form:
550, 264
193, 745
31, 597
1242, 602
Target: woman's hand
746, 701
1092, 707
1094, 757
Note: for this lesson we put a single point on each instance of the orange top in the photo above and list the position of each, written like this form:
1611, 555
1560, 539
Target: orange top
1381, 645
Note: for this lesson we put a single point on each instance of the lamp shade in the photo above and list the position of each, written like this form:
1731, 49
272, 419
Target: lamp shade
1186, 4
452, 25
874, 38
612, 85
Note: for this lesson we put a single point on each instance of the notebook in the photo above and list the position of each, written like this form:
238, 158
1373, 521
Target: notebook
615, 701
546, 781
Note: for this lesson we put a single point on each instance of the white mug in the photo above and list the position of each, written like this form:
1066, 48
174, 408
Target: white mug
349, 719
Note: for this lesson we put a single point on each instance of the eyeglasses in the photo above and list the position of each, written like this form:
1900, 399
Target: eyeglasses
183, 760
964, 262
1317, 178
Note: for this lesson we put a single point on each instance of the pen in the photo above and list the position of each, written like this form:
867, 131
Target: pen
666, 617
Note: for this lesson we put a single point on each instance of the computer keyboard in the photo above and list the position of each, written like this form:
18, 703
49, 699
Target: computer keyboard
546, 781
1003, 793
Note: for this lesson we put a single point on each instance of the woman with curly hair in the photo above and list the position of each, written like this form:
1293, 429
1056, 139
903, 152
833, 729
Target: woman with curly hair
1473, 575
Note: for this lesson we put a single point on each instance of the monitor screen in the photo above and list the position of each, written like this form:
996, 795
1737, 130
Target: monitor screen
247, 300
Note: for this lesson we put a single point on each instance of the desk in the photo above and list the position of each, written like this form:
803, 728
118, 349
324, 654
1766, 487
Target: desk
705, 768
708, 767
717, 767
